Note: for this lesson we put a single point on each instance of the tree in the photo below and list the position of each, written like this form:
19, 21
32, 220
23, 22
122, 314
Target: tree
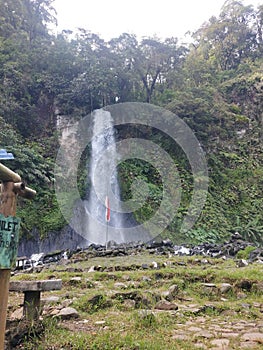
28, 18
230, 38
146, 64
153, 62
124, 49
259, 29
39, 14
24, 41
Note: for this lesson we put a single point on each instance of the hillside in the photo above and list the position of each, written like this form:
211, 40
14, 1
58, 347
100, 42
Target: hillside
215, 85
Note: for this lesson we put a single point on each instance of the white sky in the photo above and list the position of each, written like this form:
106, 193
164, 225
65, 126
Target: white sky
165, 18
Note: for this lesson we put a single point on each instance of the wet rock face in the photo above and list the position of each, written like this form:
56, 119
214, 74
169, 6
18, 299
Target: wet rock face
67, 239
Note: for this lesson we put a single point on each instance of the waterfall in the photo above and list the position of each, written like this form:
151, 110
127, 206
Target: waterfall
87, 216
104, 184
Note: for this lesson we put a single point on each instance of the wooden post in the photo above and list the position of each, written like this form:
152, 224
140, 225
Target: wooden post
11, 187
4, 289
32, 305
7, 208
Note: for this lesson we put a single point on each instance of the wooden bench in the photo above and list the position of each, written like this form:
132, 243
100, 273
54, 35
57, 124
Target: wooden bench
32, 291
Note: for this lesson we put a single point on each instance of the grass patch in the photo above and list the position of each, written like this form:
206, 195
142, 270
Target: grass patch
117, 308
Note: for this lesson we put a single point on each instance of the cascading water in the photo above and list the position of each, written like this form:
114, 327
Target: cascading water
103, 184
89, 215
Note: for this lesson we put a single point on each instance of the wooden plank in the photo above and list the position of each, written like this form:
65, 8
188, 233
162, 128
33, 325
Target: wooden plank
42, 286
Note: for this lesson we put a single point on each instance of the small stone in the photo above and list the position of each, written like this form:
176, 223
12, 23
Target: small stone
129, 304
180, 337
154, 265
210, 285
216, 327
165, 305
194, 329
251, 324
17, 314
66, 303
50, 300
166, 295
145, 266
146, 279
257, 305
200, 346
204, 261
171, 294
120, 285
223, 299
241, 295
237, 327
68, 312
173, 290
242, 263
204, 334
100, 323
54, 312
248, 345
255, 337
229, 335
209, 289
225, 287
126, 278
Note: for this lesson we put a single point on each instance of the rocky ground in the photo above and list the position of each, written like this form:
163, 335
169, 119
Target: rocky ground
146, 297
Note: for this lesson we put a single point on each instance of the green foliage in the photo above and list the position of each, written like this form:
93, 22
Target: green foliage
199, 235
215, 85
252, 230
244, 254
91, 305
145, 319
